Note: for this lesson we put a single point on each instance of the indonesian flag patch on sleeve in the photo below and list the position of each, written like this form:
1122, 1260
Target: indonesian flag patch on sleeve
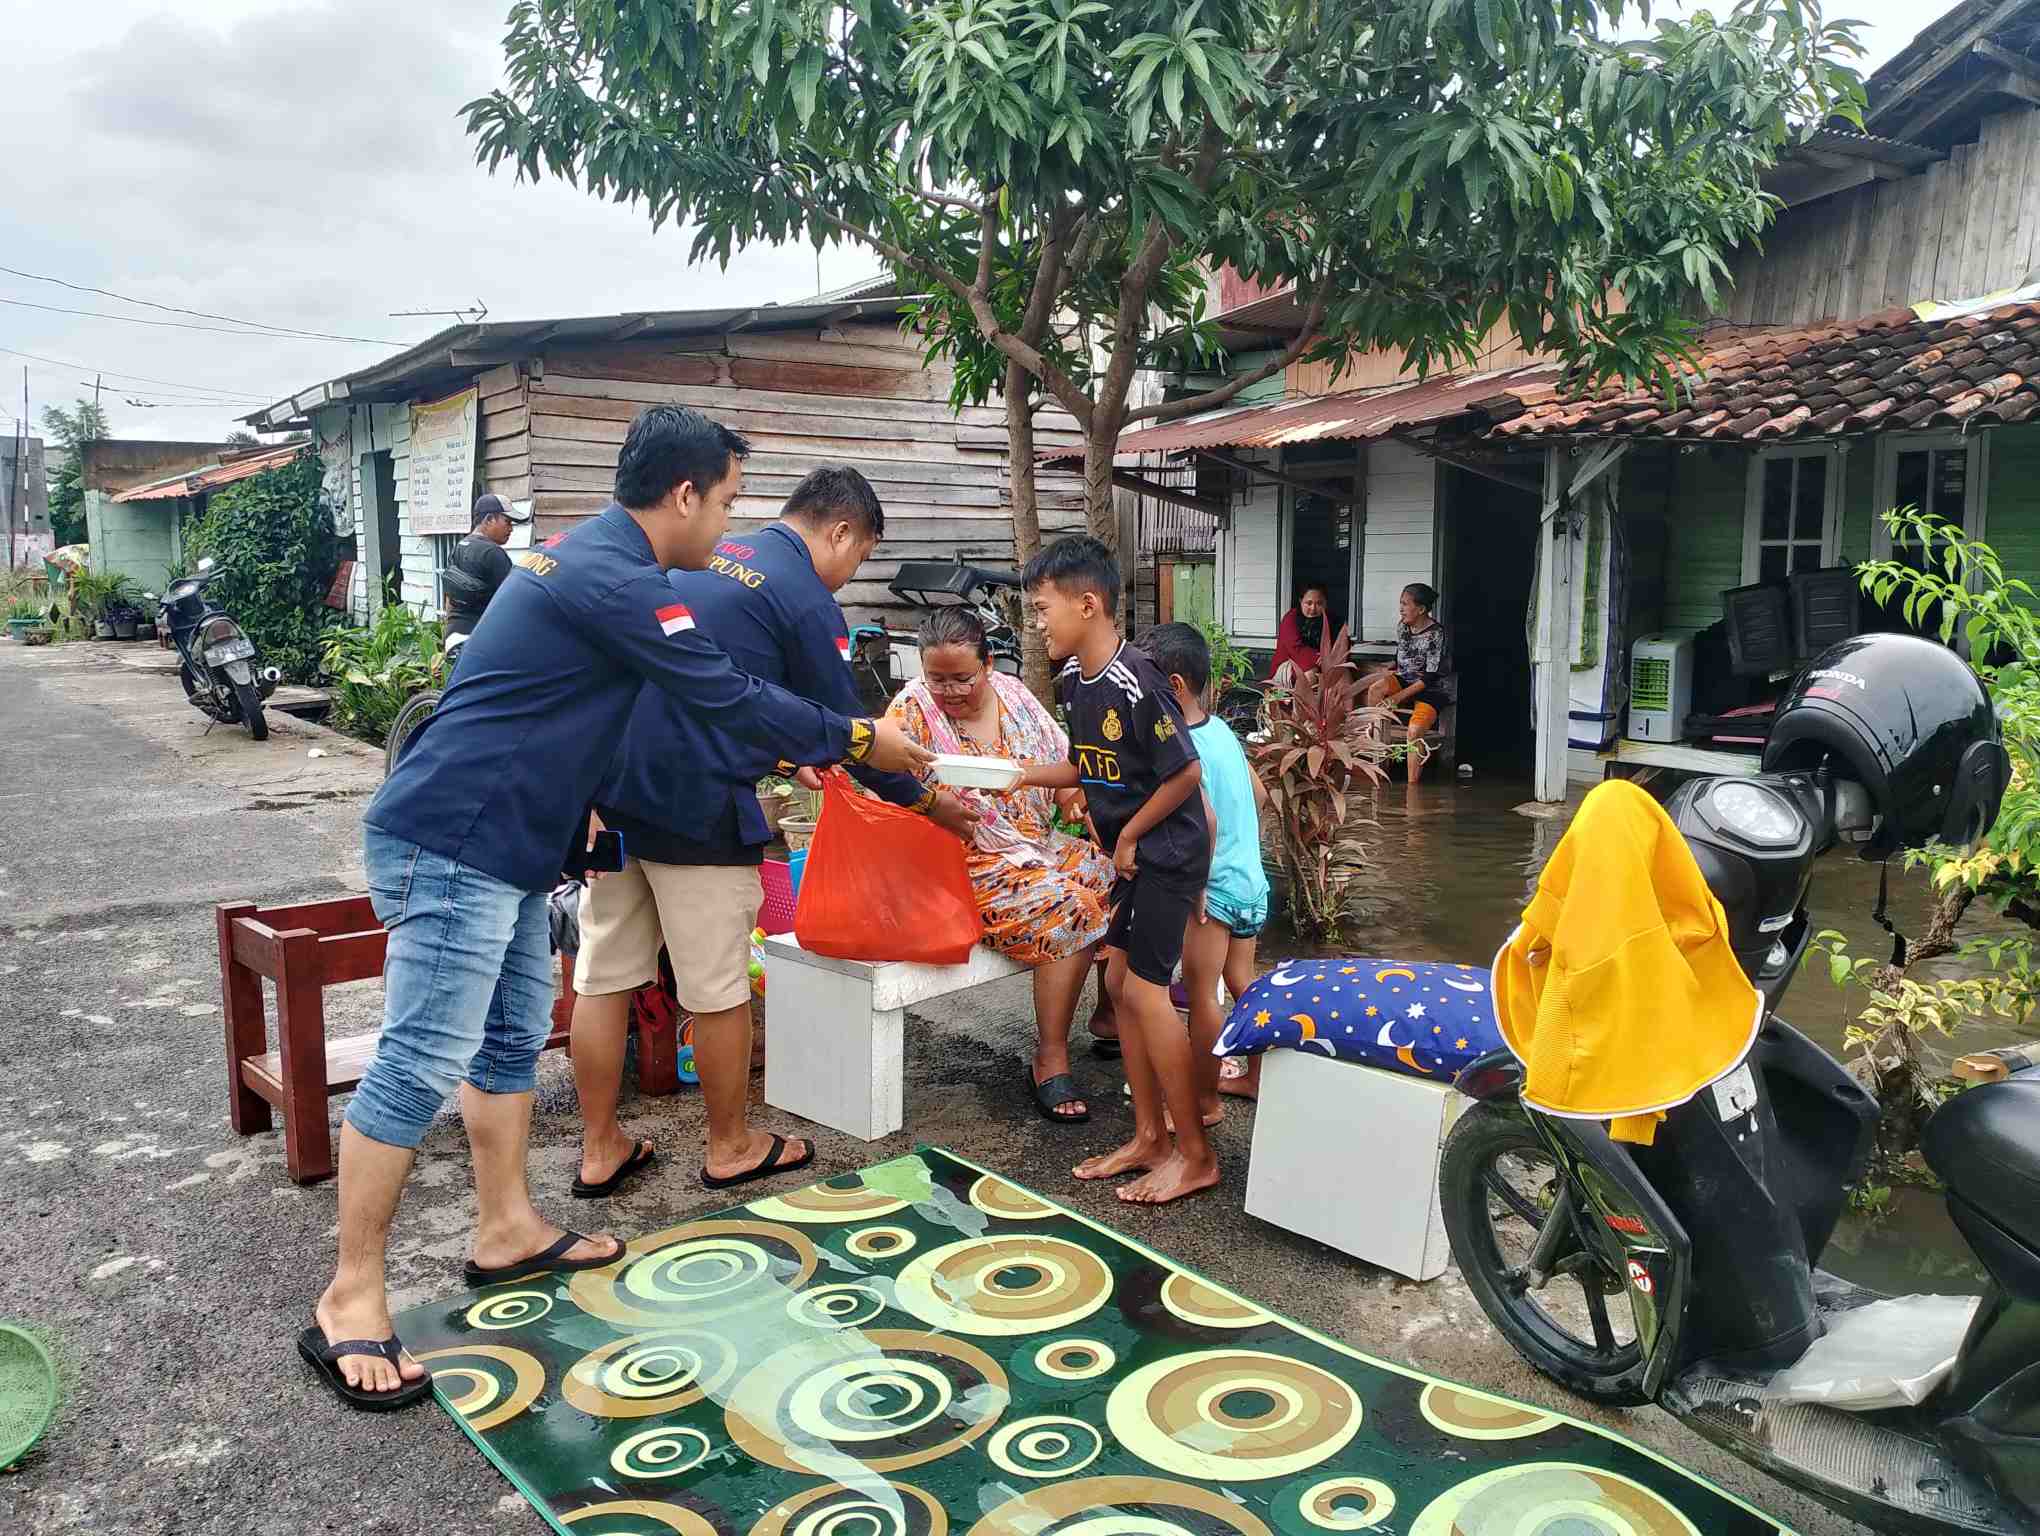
674, 619
843, 648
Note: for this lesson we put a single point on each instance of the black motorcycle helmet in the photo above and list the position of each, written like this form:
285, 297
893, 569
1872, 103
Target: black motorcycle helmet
1908, 720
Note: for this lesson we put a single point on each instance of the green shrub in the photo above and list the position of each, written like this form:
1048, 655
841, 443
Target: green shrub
374, 671
272, 538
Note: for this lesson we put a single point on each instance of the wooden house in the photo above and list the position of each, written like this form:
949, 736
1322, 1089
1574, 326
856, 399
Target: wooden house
1833, 386
545, 405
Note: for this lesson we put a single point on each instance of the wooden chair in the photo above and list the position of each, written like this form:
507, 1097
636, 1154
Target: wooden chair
303, 950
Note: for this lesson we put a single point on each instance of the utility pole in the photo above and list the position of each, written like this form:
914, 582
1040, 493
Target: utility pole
97, 380
20, 466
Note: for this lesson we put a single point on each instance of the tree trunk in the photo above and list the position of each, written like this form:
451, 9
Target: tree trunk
1101, 447
1026, 520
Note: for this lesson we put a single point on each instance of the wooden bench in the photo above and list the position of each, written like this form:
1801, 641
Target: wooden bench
302, 950
838, 1031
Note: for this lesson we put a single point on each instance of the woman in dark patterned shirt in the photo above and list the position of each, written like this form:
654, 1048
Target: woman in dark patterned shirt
1421, 674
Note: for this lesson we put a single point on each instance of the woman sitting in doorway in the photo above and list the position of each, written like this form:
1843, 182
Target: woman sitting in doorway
1300, 639
1041, 893
1421, 674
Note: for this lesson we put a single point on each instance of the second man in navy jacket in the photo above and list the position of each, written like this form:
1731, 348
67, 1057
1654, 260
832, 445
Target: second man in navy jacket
683, 796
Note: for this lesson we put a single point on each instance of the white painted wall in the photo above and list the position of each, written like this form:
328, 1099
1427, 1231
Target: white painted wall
1400, 540
1252, 565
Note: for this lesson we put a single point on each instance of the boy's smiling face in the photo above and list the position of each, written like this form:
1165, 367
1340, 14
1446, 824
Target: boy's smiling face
1063, 617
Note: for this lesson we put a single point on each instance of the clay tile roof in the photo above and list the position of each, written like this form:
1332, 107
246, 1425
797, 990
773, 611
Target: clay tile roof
1883, 370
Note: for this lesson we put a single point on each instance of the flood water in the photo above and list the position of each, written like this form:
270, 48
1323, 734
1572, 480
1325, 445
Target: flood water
1455, 864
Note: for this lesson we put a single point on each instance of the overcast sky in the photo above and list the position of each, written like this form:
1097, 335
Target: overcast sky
301, 163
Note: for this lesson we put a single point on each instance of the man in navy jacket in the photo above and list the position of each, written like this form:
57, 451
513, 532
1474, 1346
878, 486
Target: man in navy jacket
467, 837
683, 796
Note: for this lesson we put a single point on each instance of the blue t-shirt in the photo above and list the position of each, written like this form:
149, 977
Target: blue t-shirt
1237, 892
501, 775
762, 601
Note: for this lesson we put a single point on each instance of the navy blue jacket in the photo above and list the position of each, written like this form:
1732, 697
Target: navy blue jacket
761, 600
501, 776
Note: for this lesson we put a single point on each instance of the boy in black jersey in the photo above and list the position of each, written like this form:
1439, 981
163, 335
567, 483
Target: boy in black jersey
1131, 754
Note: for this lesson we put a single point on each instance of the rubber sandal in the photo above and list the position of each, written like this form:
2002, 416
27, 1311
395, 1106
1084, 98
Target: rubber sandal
325, 1359
1057, 1090
1107, 1049
641, 1156
765, 1170
539, 1263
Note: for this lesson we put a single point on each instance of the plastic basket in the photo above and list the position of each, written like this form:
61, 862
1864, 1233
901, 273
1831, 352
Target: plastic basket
776, 914
28, 1393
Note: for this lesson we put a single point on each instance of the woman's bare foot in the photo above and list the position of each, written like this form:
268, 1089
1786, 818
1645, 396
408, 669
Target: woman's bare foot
364, 1318
1210, 1114
513, 1245
751, 1153
1171, 1179
1131, 1158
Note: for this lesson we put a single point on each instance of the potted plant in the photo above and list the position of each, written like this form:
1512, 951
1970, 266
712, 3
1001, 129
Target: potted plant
799, 814
36, 634
23, 615
125, 619
775, 795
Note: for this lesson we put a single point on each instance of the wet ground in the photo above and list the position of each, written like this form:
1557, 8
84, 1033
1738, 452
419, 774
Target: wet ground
170, 1263
1456, 863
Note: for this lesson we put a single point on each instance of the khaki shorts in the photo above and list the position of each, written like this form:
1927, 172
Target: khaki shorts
708, 910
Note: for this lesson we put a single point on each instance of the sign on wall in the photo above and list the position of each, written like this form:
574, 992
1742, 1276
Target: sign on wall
443, 464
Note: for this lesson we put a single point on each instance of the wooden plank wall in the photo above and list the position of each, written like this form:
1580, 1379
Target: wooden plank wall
858, 395
1963, 227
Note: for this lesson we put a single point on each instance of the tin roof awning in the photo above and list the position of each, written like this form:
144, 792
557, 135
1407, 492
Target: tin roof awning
1356, 415
196, 482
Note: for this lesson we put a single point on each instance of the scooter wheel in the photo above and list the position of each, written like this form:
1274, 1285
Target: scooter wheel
1498, 1184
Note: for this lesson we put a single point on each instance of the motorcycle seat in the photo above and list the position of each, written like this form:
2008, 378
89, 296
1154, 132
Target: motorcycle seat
1985, 1145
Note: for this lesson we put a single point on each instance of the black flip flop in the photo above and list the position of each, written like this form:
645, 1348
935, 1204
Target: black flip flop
325, 1359
1107, 1048
765, 1170
554, 1258
641, 1156
1060, 1089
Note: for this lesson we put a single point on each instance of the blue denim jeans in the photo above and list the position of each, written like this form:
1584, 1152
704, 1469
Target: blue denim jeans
467, 987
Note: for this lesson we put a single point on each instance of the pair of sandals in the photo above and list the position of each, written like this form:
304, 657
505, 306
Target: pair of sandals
325, 1357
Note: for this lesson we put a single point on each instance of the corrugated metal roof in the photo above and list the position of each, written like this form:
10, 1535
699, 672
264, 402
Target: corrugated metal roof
1354, 415
196, 482
460, 351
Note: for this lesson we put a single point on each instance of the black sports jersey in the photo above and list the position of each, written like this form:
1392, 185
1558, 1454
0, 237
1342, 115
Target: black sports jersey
1126, 736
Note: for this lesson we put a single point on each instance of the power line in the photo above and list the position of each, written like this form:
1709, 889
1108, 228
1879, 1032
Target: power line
187, 325
173, 309
141, 378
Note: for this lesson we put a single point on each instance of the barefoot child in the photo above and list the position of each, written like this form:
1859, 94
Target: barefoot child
1220, 939
1131, 753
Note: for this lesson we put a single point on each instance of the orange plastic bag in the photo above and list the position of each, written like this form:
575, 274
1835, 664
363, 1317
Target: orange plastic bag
883, 883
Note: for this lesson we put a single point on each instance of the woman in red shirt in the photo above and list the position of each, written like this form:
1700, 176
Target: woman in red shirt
1303, 632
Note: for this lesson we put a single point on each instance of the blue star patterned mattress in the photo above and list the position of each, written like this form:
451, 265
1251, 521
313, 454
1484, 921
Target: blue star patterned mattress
1427, 1020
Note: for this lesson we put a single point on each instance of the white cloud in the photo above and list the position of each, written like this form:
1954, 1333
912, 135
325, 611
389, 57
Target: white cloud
303, 162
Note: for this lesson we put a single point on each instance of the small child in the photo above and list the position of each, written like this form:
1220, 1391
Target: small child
1130, 752
1221, 936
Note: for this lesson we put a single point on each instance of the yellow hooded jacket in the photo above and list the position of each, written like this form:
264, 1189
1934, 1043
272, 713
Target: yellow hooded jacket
1618, 991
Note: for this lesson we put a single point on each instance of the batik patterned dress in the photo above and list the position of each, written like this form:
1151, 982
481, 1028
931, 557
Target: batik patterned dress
1035, 912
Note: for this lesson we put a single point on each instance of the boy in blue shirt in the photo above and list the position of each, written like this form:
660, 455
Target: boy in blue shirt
1222, 935
1131, 755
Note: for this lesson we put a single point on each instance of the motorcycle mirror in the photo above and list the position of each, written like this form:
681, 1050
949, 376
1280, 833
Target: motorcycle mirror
206, 564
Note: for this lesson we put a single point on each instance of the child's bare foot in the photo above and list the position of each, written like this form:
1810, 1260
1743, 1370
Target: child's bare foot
1238, 1079
1131, 1158
1238, 1088
1172, 1178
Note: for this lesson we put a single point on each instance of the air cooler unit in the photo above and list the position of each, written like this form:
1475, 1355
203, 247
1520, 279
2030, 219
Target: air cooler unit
1660, 687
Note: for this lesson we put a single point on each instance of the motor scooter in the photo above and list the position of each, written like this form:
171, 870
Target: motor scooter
1715, 1232
221, 669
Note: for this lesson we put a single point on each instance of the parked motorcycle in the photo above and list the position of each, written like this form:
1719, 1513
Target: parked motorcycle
887, 659
1714, 1233
222, 672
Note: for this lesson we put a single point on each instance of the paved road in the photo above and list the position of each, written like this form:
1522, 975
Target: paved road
171, 1263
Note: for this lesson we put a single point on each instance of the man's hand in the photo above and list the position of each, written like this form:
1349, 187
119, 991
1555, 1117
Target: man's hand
1126, 857
953, 816
808, 778
595, 830
894, 751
